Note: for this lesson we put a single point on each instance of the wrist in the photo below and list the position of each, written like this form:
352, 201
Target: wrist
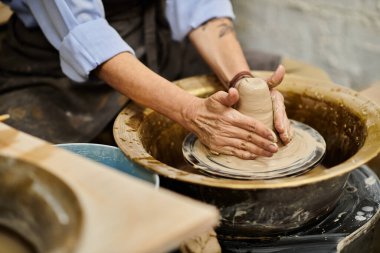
188, 112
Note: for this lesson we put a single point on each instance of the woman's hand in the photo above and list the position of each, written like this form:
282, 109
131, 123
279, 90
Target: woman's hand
225, 130
281, 121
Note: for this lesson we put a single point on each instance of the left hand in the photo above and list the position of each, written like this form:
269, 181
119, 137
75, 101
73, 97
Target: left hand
281, 121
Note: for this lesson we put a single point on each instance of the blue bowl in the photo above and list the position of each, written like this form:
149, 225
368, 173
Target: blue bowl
112, 157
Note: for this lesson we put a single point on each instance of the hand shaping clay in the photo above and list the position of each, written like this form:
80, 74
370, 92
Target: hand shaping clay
300, 155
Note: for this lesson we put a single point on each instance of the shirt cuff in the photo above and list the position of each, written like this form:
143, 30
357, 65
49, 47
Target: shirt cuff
87, 46
201, 13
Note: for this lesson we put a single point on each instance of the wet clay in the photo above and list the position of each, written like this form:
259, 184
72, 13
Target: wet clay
301, 154
255, 100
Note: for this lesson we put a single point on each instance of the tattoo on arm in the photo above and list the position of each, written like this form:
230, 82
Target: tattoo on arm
203, 26
225, 29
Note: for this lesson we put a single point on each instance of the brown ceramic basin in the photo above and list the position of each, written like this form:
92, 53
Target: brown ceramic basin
349, 123
37, 209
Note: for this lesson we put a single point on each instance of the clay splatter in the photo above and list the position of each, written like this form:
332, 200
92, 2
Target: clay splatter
360, 218
370, 180
367, 208
360, 213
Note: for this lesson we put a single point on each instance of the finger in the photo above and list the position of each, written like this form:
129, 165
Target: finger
251, 125
290, 133
233, 97
281, 120
241, 153
279, 113
226, 98
276, 78
249, 137
286, 136
246, 146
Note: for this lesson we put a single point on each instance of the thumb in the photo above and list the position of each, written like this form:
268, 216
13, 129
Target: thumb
276, 77
227, 99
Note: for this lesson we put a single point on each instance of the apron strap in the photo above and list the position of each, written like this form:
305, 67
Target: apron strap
150, 37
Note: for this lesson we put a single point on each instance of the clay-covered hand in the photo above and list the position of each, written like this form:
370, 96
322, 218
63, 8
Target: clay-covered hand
225, 130
281, 121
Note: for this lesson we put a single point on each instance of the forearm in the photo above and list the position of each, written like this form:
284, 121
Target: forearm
129, 76
213, 120
217, 43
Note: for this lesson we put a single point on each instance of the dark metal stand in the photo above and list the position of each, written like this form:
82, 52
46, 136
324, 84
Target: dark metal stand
349, 228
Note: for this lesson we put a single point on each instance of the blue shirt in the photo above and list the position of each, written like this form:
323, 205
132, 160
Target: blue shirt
79, 31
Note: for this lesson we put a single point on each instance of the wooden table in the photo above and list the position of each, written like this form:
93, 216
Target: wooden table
121, 213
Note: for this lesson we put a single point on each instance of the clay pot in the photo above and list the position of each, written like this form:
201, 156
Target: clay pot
349, 123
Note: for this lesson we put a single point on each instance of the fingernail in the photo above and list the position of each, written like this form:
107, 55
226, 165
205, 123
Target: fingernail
290, 136
273, 147
272, 137
285, 138
214, 152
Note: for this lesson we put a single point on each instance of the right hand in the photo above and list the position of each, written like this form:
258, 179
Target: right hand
281, 121
224, 130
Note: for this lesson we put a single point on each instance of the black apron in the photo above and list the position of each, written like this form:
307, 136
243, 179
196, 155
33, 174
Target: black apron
43, 102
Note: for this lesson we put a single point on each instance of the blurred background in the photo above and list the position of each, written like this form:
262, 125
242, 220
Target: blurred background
342, 37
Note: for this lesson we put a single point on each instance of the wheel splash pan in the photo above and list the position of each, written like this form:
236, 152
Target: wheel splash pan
349, 123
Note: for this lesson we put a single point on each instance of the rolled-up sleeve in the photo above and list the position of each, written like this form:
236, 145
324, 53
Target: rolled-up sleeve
185, 15
80, 33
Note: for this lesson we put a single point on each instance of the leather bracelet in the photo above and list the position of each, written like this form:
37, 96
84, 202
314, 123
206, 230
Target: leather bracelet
238, 77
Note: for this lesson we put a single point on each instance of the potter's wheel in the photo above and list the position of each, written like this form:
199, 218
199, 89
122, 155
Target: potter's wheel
252, 208
303, 153
264, 167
